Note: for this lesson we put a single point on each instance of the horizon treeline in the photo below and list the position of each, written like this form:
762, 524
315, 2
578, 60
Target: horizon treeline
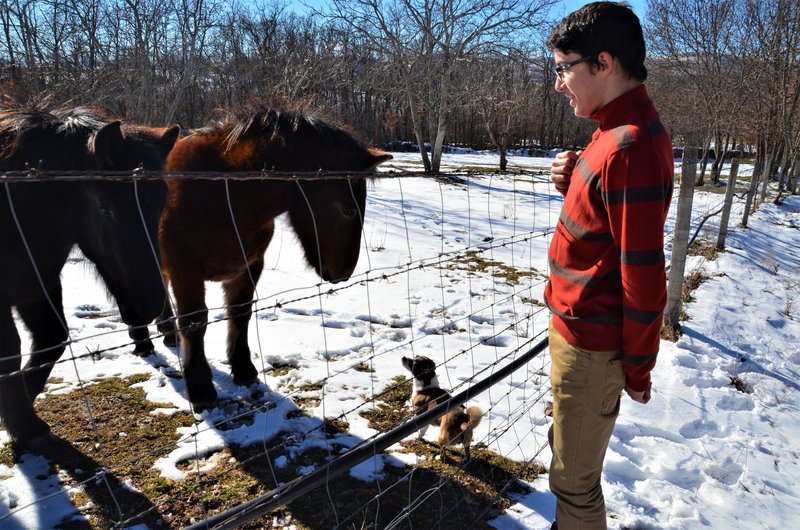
724, 73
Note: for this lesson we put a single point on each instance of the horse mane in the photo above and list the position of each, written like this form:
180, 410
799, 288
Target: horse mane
25, 126
273, 123
20, 117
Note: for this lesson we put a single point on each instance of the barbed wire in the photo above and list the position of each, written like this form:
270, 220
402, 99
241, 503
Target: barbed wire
40, 175
357, 281
278, 300
296, 438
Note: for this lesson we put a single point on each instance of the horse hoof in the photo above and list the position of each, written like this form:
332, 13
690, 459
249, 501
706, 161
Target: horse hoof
203, 406
245, 374
171, 340
144, 349
246, 381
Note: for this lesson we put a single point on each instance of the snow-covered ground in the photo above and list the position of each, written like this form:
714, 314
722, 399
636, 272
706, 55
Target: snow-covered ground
701, 454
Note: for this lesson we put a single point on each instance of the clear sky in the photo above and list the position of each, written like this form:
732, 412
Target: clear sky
567, 6
561, 8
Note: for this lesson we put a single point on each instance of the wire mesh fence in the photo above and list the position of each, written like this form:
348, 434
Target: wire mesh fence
451, 268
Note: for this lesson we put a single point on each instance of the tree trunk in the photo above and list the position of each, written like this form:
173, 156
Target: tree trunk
765, 177
782, 169
726, 208
700, 180
680, 239
503, 159
751, 194
418, 134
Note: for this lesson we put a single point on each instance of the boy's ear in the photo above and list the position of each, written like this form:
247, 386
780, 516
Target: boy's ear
604, 60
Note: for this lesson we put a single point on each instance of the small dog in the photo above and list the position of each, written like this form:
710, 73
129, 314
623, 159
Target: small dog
455, 427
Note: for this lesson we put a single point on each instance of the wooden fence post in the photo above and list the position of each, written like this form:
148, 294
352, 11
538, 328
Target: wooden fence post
726, 207
680, 239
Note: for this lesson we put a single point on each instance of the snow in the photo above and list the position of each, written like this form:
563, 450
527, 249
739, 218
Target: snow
701, 454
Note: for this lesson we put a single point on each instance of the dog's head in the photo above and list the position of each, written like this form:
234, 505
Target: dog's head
421, 367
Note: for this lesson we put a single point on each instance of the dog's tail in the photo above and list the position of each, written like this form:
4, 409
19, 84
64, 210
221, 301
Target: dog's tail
475, 414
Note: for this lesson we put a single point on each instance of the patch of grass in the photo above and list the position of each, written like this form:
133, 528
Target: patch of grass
690, 283
670, 334
479, 481
279, 370
131, 439
364, 367
739, 384
533, 301
121, 436
464, 494
475, 262
334, 426
705, 249
393, 407
7, 456
312, 397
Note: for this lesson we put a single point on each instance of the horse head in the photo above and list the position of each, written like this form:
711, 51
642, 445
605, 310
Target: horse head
120, 219
329, 215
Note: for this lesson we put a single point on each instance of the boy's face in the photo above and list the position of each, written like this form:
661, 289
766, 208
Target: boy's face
580, 84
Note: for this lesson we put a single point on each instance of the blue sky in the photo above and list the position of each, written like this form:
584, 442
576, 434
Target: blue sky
567, 6
561, 8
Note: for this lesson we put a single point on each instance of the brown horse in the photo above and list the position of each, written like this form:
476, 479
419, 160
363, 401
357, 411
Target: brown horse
200, 240
113, 222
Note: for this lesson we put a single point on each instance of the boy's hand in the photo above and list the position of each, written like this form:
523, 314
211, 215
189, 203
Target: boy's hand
561, 169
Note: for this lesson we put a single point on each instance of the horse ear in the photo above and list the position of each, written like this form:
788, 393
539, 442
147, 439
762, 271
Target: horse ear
377, 158
108, 141
169, 138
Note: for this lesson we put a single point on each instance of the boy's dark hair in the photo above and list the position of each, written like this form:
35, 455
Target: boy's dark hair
603, 27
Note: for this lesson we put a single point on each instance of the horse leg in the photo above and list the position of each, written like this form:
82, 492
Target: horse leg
166, 321
239, 303
192, 319
166, 326
140, 336
48, 337
16, 408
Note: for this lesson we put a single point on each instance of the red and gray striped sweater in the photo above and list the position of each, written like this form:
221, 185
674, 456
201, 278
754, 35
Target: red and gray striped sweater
607, 286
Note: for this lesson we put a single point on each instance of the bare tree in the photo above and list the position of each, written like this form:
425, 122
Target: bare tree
499, 89
701, 42
428, 41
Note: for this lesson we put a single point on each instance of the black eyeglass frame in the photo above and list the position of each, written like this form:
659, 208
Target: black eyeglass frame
561, 68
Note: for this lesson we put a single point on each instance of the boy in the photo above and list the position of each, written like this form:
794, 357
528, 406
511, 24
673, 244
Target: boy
607, 285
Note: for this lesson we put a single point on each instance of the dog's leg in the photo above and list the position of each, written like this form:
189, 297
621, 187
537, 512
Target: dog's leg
421, 432
467, 442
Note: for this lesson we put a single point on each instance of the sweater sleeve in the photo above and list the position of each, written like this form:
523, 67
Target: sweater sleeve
637, 199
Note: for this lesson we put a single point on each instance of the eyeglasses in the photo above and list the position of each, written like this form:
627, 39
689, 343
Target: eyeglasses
561, 68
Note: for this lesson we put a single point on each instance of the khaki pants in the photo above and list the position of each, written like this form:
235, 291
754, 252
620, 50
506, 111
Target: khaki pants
586, 394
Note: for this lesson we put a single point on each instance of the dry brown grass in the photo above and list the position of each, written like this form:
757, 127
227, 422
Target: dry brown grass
128, 439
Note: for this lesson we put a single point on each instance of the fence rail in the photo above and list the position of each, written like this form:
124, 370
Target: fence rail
264, 504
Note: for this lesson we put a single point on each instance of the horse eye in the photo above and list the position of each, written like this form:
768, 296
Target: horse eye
348, 212
105, 210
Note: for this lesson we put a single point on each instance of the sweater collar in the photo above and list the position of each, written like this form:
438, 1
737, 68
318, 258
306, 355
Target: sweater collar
622, 109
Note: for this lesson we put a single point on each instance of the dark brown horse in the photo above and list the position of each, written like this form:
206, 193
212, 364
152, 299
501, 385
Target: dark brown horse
200, 242
113, 223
